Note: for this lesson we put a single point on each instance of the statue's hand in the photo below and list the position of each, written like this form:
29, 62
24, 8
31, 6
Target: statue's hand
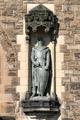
46, 67
37, 63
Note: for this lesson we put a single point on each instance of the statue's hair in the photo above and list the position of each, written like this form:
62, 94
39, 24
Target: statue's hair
40, 38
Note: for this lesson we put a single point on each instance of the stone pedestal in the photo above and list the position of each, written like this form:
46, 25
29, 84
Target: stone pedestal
6, 118
40, 109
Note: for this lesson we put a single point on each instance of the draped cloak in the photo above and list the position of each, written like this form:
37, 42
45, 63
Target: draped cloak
40, 75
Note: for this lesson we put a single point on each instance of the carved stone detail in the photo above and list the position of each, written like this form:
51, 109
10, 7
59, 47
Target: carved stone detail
41, 16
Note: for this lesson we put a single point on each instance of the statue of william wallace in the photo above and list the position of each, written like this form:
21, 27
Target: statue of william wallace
40, 58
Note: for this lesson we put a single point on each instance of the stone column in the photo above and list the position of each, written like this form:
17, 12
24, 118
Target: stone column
28, 68
23, 72
53, 83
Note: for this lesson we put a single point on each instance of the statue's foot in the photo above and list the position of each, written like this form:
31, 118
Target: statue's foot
48, 95
33, 95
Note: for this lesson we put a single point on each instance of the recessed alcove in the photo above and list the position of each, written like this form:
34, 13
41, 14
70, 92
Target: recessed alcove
41, 22
33, 42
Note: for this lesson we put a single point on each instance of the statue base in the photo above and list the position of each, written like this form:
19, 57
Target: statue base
40, 109
41, 98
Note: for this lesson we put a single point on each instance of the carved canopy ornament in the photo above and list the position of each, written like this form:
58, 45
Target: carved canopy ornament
42, 16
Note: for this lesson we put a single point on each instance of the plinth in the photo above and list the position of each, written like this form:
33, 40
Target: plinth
40, 109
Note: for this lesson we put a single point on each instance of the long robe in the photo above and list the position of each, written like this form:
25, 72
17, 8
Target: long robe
40, 75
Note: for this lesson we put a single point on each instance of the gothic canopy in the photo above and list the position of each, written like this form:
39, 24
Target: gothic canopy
42, 16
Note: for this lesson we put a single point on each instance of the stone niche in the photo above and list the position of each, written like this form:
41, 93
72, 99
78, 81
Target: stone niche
41, 22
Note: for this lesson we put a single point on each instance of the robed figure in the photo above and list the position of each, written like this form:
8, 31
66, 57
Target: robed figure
40, 58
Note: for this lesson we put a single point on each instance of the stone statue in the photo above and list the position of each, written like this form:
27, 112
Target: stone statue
40, 58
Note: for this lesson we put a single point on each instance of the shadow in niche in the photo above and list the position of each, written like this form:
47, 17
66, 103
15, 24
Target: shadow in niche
33, 42
50, 78
6, 118
56, 116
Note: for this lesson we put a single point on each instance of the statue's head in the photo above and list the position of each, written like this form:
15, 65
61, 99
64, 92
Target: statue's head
40, 41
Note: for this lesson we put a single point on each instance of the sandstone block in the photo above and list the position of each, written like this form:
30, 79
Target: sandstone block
22, 89
58, 8
15, 81
50, 7
23, 56
13, 73
24, 65
73, 24
58, 66
69, 39
60, 89
21, 39
10, 108
24, 81
62, 27
63, 48
61, 2
60, 39
68, 17
40, 1
58, 81
24, 48
67, 96
60, 73
75, 86
6, 97
59, 57
16, 96
64, 32
68, 56
57, 48
74, 2
77, 39
23, 73
31, 6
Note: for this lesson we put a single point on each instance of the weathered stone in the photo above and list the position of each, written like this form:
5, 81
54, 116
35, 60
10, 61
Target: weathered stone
67, 97
12, 57
63, 48
10, 89
68, 16
64, 66
16, 96
8, 42
62, 2
7, 12
75, 86
77, 17
72, 64
75, 2
64, 32
58, 8
67, 119
69, 39
17, 48
13, 73
73, 24
77, 56
77, 38
77, 97
15, 81
41, 1
68, 57
73, 8
60, 16
10, 108
62, 27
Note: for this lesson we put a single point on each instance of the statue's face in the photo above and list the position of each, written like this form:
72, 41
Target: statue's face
40, 41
